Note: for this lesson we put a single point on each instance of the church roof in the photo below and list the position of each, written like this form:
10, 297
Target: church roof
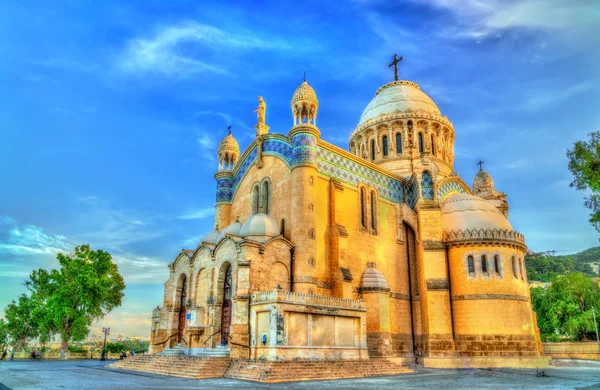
466, 212
305, 93
397, 96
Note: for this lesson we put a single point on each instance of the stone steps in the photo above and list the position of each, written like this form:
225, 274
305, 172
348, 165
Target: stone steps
180, 366
276, 372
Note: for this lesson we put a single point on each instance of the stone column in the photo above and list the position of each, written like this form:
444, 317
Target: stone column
433, 279
303, 226
224, 197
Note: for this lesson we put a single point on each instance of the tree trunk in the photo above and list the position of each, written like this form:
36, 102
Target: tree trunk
64, 347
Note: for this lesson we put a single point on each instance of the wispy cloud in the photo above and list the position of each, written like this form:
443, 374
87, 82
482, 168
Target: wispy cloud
547, 98
479, 19
182, 50
198, 214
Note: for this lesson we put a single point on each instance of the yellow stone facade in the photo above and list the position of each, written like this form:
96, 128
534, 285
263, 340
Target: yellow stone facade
379, 251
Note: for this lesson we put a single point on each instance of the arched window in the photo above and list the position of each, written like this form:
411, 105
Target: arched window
372, 149
432, 144
521, 268
373, 211
484, 267
264, 197
255, 199
497, 264
398, 143
363, 216
514, 267
471, 264
385, 145
420, 142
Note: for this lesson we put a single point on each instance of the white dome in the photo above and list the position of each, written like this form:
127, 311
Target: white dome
463, 211
399, 95
259, 227
372, 278
233, 229
211, 238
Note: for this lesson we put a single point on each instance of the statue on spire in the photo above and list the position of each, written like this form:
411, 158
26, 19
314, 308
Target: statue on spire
395, 63
261, 127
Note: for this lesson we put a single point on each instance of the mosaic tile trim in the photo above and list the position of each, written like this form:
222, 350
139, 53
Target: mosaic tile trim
412, 194
226, 187
305, 150
448, 187
427, 186
350, 172
278, 148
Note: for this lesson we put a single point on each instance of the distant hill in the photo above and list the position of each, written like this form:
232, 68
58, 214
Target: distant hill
591, 255
545, 268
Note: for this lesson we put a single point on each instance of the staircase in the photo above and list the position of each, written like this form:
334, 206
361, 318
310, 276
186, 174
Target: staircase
220, 351
291, 371
181, 366
175, 351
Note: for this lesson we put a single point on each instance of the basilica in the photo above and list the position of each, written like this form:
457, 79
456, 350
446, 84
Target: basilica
378, 251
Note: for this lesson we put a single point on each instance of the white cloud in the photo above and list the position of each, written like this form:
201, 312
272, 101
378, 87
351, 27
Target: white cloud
482, 18
176, 50
198, 214
543, 99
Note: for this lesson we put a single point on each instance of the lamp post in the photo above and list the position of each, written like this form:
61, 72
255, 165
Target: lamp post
106, 332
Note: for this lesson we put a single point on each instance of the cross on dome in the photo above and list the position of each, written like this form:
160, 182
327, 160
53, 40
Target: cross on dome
395, 63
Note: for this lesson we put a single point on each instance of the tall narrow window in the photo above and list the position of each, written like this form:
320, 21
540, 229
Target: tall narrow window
363, 217
373, 211
264, 197
471, 264
514, 267
432, 144
420, 142
385, 145
521, 267
372, 149
255, 199
497, 264
398, 143
484, 267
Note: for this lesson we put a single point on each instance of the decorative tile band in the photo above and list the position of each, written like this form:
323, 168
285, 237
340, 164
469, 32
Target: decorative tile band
352, 173
448, 187
412, 194
304, 148
426, 186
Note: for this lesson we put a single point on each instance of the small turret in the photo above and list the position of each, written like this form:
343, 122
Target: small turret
305, 104
228, 152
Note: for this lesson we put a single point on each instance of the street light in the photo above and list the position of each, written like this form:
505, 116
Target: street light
106, 332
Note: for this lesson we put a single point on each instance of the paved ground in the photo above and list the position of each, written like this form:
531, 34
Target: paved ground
92, 374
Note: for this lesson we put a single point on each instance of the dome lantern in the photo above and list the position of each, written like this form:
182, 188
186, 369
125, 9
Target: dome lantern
228, 152
305, 104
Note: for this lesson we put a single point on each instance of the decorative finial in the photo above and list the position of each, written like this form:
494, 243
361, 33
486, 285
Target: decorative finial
480, 163
304, 79
395, 63
229, 129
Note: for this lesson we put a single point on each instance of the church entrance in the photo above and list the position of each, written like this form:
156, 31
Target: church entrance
226, 308
182, 311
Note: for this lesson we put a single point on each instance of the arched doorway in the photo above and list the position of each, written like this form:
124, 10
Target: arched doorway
182, 310
226, 308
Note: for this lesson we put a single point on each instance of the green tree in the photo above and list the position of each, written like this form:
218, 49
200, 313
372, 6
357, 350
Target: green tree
565, 307
23, 318
584, 164
85, 288
3, 334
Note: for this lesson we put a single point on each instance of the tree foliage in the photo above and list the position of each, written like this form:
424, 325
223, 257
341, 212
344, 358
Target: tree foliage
547, 268
23, 318
564, 309
138, 346
85, 288
584, 164
3, 334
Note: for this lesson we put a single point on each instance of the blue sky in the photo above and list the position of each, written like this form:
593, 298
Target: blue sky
111, 112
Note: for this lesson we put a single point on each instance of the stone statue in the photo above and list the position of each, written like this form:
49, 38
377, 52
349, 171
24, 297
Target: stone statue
261, 127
